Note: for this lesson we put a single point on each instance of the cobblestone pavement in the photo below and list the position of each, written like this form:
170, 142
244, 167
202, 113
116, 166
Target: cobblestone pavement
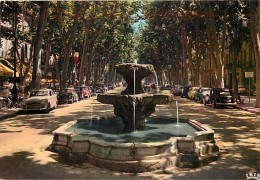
24, 138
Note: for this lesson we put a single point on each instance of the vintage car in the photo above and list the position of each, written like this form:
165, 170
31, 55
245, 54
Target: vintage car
221, 97
83, 91
93, 91
191, 93
201, 93
68, 95
185, 91
42, 99
87, 91
80, 92
178, 89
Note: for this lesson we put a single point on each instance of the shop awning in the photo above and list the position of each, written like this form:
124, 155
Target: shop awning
6, 71
9, 62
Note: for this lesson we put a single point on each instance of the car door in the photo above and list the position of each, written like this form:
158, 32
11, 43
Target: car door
53, 99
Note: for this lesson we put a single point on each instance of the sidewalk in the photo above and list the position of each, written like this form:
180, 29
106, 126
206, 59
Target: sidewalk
8, 113
249, 107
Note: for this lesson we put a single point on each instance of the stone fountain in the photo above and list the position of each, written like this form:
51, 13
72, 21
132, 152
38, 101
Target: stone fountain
144, 104
159, 142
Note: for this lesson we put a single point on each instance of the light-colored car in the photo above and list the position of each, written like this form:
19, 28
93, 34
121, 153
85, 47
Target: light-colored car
42, 99
191, 93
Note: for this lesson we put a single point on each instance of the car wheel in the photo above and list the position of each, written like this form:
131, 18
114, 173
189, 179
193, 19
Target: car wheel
200, 100
204, 102
214, 104
48, 108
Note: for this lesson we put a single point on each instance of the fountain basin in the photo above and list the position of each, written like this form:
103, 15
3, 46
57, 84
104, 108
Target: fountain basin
102, 142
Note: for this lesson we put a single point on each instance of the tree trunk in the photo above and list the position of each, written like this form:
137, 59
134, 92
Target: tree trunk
234, 76
1, 7
217, 53
69, 47
36, 77
47, 59
254, 8
83, 59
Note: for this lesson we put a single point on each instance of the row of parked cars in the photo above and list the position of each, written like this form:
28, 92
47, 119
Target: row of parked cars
46, 99
212, 96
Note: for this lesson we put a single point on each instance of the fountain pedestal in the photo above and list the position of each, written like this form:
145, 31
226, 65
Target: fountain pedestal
132, 104
123, 107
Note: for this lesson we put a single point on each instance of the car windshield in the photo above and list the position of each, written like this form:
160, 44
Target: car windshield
39, 93
177, 87
224, 93
66, 91
205, 90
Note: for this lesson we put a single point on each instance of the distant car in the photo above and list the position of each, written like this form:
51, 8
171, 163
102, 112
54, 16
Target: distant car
201, 93
110, 87
178, 89
185, 91
93, 91
86, 91
147, 87
221, 97
80, 92
100, 90
68, 95
241, 89
105, 87
167, 92
191, 93
43, 100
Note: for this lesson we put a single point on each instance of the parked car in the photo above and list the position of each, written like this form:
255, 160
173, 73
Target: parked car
147, 87
86, 91
100, 90
221, 97
178, 89
201, 94
191, 93
105, 87
68, 95
43, 100
110, 87
185, 91
93, 91
80, 92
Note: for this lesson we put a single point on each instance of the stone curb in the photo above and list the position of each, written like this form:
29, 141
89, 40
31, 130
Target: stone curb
252, 110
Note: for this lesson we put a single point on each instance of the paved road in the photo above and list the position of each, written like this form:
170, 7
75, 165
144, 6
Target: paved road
24, 138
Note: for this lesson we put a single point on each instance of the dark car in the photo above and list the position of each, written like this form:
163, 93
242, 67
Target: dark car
80, 92
185, 91
178, 89
93, 90
201, 94
68, 95
221, 97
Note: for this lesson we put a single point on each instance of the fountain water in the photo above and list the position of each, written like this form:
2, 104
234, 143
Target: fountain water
177, 108
134, 94
156, 78
110, 142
